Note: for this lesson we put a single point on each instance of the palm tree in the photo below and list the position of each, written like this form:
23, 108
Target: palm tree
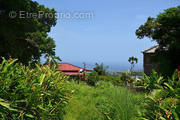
132, 60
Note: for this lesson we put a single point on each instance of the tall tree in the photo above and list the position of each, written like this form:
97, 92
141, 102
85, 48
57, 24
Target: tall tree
24, 37
132, 60
165, 30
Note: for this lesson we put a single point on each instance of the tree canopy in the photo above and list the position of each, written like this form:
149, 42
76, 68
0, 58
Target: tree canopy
100, 69
25, 38
165, 30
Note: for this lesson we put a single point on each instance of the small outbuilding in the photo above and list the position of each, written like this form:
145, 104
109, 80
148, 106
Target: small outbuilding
148, 63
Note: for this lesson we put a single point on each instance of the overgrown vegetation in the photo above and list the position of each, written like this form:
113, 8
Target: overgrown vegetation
162, 97
25, 93
40, 92
105, 102
43, 93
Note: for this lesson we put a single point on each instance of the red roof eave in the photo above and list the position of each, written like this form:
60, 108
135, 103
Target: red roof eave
72, 73
69, 67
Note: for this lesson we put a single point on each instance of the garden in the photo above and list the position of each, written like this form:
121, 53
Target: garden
33, 88
44, 93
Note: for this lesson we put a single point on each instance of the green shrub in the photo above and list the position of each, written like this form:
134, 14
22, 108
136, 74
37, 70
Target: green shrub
126, 77
138, 83
163, 100
154, 81
115, 80
25, 93
92, 78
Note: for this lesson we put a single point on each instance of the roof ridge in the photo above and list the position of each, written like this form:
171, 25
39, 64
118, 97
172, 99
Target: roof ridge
150, 48
75, 66
70, 64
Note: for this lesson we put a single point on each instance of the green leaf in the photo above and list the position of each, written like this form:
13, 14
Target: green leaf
42, 79
162, 118
29, 115
6, 105
40, 106
175, 115
21, 101
142, 119
8, 65
3, 62
38, 67
170, 87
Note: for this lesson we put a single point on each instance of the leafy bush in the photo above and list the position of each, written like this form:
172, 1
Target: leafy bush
25, 93
154, 81
139, 83
127, 78
92, 78
100, 69
121, 80
163, 100
115, 80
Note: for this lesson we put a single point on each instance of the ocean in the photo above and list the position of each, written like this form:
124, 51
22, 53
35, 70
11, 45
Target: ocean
111, 67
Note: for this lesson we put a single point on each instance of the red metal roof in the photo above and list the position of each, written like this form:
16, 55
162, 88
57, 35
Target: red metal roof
72, 73
69, 67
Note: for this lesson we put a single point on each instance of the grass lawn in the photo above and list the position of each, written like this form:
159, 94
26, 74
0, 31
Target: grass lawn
105, 102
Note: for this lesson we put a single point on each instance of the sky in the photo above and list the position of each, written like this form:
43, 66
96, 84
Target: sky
109, 36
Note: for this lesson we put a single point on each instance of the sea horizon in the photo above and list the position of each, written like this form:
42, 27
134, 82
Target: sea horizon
110, 66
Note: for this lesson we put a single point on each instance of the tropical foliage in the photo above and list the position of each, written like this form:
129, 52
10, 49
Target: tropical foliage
154, 81
25, 93
163, 98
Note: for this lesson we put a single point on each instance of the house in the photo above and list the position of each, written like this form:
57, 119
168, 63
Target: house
148, 64
72, 70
